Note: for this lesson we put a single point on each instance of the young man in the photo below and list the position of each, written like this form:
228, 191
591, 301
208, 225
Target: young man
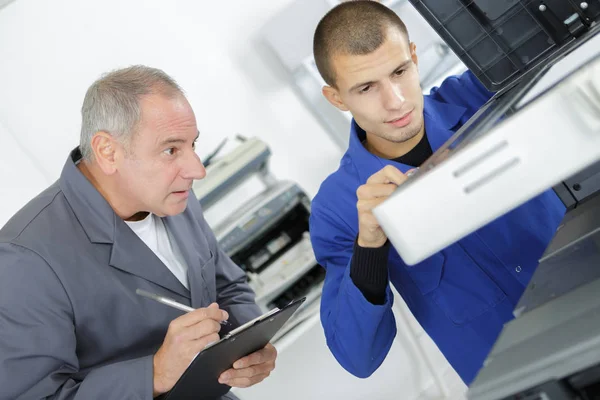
118, 219
462, 295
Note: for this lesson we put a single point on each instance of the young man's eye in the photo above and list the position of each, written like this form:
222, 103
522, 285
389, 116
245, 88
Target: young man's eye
365, 89
400, 72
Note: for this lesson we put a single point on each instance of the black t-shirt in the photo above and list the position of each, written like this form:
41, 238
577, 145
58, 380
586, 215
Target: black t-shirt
417, 156
368, 268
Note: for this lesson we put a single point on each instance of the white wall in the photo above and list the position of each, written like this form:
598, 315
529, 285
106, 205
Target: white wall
51, 51
21, 178
4, 2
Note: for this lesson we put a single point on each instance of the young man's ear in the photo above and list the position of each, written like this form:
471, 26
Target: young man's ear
413, 53
333, 96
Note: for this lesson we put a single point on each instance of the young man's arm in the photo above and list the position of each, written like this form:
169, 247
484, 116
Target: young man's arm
359, 333
369, 271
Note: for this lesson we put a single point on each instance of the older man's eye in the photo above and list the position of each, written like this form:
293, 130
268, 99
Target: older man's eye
170, 151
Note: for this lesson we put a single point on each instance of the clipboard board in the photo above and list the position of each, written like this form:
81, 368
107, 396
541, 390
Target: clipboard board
200, 381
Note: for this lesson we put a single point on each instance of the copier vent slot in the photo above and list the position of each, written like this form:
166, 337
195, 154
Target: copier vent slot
275, 241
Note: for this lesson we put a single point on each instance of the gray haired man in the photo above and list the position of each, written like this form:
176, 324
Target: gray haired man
119, 218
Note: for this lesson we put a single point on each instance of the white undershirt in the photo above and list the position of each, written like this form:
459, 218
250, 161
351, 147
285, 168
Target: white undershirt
154, 233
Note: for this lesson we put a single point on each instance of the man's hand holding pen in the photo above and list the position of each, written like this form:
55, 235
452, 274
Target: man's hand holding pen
187, 336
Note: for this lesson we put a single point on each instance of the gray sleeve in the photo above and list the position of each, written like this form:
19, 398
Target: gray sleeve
38, 358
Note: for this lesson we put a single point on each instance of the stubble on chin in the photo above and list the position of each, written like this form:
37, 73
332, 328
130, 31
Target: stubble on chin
403, 136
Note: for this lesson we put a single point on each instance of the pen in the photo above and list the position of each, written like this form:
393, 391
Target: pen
412, 172
168, 301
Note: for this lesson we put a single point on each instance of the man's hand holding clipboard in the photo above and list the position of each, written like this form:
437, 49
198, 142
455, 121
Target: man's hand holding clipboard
251, 369
193, 362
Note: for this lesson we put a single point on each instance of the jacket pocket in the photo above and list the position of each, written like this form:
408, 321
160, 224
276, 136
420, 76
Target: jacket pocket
456, 284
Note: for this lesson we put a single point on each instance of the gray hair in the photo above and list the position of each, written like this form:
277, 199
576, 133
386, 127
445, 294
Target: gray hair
111, 104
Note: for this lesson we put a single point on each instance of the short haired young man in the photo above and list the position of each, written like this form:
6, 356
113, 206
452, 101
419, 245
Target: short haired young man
462, 295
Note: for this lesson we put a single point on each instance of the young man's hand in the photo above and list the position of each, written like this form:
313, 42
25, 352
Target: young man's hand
378, 188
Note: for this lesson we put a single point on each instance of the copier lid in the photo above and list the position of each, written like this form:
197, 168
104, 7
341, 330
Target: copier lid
502, 40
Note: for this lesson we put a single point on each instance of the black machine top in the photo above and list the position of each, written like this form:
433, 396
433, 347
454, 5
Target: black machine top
501, 40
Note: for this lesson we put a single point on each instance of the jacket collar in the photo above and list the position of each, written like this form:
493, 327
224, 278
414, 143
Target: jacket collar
102, 225
93, 212
440, 121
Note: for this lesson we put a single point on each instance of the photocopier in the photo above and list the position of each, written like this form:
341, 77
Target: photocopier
265, 234
541, 130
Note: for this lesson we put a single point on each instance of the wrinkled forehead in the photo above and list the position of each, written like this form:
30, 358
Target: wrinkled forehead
166, 116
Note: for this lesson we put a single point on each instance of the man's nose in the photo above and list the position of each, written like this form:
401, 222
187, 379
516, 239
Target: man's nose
193, 168
392, 96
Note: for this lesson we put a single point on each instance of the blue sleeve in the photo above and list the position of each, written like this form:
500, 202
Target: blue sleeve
464, 90
358, 333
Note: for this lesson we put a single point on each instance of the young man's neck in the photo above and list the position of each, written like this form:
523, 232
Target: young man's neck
389, 150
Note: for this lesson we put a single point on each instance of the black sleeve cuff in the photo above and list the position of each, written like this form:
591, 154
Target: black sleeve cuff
369, 271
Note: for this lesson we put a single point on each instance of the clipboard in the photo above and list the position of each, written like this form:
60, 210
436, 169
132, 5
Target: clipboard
201, 379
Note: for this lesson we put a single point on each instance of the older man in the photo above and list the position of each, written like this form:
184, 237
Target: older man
118, 219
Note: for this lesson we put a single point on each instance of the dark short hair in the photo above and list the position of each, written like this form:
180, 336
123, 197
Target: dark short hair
354, 27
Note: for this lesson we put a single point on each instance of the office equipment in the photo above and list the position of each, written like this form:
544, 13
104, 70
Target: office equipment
251, 157
201, 379
268, 237
580, 187
501, 41
570, 261
267, 233
169, 302
508, 153
546, 114
551, 353
551, 350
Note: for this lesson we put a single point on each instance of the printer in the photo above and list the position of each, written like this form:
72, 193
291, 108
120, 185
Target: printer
542, 58
267, 234
551, 350
535, 133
